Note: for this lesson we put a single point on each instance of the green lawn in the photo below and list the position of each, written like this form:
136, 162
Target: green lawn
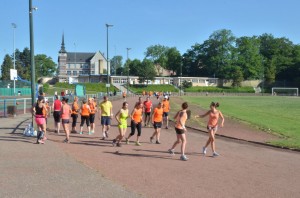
279, 115
155, 88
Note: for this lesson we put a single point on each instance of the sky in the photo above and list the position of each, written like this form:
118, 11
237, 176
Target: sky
138, 24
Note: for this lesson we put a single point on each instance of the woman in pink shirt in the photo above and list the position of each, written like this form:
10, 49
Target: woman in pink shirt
212, 126
65, 116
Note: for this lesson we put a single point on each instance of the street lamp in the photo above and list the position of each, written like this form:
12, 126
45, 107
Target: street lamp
180, 84
127, 70
14, 26
107, 58
33, 97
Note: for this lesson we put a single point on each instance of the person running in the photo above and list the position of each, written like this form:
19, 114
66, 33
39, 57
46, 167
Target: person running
180, 129
105, 115
74, 114
92, 114
157, 118
212, 126
147, 111
65, 118
136, 123
166, 107
40, 112
56, 113
121, 117
85, 116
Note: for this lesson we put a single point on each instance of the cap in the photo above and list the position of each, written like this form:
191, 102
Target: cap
166, 97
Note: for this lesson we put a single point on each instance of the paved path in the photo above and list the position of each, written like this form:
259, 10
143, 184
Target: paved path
242, 170
31, 170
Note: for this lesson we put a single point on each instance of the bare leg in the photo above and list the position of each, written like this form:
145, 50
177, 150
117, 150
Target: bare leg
183, 139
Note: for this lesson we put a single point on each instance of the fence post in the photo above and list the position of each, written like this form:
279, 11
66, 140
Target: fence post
24, 106
4, 107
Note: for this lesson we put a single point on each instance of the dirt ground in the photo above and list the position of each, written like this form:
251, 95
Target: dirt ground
242, 169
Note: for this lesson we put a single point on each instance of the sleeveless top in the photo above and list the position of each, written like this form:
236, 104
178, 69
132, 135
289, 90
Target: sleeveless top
93, 108
85, 110
158, 115
123, 116
75, 108
57, 105
183, 116
65, 112
137, 116
39, 110
213, 118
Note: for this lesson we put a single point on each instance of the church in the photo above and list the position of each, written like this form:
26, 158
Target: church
80, 66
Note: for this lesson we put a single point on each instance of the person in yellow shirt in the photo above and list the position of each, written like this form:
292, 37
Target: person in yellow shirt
105, 115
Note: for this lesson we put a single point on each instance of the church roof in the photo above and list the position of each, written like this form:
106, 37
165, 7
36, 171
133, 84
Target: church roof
81, 57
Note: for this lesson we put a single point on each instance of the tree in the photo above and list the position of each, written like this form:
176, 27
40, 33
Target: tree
5, 67
44, 66
157, 54
146, 71
135, 67
174, 60
248, 57
116, 63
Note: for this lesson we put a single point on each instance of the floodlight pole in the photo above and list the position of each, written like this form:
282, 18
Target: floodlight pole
128, 70
107, 59
33, 97
14, 26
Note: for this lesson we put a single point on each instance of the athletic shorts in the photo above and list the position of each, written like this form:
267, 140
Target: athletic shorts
65, 121
40, 120
105, 120
92, 118
214, 128
165, 114
147, 113
179, 131
157, 125
56, 116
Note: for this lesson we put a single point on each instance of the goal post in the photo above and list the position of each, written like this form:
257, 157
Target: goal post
285, 91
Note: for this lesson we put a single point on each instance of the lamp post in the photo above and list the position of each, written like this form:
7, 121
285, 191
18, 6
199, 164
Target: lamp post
14, 26
33, 97
128, 69
180, 84
107, 59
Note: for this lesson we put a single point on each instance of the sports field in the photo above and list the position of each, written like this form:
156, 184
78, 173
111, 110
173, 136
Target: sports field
278, 115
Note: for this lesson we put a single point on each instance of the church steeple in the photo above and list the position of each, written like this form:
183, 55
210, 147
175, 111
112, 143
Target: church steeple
62, 48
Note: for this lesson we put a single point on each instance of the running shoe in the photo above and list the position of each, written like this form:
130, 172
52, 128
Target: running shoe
41, 141
167, 127
114, 142
138, 144
102, 138
151, 140
66, 141
171, 151
81, 133
127, 141
215, 154
183, 158
106, 133
204, 150
90, 133
157, 142
119, 145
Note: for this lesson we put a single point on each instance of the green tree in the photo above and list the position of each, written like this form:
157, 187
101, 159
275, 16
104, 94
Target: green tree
248, 57
116, 62
134, 67
174, 60
157, 54
146, 71
5, 67
44, 66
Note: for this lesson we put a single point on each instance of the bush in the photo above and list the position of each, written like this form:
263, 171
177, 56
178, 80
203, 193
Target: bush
221, 89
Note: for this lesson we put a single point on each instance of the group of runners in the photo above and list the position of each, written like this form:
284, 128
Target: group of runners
158, 116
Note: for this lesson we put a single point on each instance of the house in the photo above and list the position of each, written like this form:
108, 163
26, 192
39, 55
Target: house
75, 64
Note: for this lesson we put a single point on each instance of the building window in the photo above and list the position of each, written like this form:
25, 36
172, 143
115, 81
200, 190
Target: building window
80, 72
69, 66
74, 73
69, 73
80, 65
92, 72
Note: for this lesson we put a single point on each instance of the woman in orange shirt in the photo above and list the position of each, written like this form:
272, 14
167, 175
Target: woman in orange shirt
180, 129
85, 116
157, 118
136, 123
65, 117
74, 114
212, 126
93, 108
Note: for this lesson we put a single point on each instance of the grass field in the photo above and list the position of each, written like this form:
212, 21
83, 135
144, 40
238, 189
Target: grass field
278, 115
138, 89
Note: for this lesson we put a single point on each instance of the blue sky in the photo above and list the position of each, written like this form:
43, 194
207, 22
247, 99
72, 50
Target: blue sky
139, 24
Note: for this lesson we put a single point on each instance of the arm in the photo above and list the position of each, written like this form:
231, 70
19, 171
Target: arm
202, 116
152, 117
111, 111
222, 117
181, 120
117, 116
132, 113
